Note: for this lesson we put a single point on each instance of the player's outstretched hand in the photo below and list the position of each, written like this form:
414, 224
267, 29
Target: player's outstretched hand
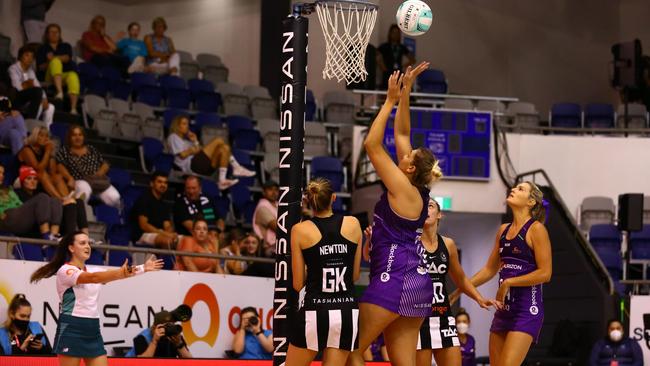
394, 87
412, 73
486, 303
153, 264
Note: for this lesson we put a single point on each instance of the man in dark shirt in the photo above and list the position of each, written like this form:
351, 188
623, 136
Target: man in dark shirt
152, 216
153, 342
393, 55
191, 204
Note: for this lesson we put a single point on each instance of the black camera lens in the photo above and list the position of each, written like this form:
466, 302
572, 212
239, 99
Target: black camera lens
253, 320
172, 329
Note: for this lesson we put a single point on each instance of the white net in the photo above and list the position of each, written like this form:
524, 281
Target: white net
347, 26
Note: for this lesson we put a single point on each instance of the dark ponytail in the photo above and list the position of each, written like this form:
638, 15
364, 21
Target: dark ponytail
16, 303
61, 256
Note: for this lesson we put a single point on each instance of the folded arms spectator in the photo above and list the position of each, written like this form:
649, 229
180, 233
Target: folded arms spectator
152, 216
192, 204
201, 241
55, 64
99, 48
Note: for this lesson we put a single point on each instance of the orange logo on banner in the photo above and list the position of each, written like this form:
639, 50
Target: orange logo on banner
201, 292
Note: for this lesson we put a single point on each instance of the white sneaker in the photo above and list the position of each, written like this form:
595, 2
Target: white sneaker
227, 183
137, 65
59, 96
240, 171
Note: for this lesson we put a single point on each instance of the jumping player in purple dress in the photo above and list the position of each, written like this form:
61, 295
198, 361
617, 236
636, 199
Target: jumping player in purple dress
522, 256
400, 293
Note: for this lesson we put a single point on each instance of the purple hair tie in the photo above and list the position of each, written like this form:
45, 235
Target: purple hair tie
547, 206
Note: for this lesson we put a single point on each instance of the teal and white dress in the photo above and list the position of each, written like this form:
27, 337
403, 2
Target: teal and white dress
77, 334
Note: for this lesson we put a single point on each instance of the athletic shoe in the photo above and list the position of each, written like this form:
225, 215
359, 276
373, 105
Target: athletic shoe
226, 183
240, 171
59, 96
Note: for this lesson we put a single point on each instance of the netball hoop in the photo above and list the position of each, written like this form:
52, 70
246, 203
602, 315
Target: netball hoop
346, 25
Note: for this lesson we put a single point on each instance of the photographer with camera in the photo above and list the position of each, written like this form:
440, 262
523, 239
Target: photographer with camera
164, 339
251, 342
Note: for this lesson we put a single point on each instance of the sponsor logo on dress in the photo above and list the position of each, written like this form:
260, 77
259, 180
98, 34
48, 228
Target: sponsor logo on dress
449, 332
534, 310
518, 267
443, 257
385, 276
516, 250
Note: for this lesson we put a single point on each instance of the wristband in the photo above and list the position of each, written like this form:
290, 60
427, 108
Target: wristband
139, 269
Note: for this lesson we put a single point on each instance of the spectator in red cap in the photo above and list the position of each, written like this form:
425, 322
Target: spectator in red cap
73, 211
21, 218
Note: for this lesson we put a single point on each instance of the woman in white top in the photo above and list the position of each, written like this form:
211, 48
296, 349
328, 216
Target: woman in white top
24, 80
192, 158
77, 334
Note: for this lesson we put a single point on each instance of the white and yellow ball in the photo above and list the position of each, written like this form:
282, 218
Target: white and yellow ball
414, 17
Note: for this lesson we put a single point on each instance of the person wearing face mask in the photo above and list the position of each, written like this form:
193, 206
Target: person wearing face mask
467, 342
78, 335
19, 335
616, 349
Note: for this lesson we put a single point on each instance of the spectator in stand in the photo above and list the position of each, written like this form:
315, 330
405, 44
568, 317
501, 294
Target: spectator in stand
233, 248
615, 348
200, 242
393, 55
55, 64
265, 216
192, 204
250, 247
38, 153
73, 217
99, 48
251, 341
84, 169
12, 126
192, 158
152, 216
19, 336
32, 14
30, 99
21, 218
134, 49
467, 342
163, 58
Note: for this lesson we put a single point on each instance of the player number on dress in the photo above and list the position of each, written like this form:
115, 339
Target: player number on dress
333, 279
438, 295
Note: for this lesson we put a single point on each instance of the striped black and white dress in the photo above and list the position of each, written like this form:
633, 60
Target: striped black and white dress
439, 329
329, 315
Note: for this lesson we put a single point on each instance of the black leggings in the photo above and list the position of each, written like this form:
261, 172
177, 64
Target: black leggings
74, 217
27, 101
38, 210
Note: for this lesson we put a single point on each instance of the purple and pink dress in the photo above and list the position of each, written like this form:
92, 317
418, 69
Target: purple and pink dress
523, 309
399, 281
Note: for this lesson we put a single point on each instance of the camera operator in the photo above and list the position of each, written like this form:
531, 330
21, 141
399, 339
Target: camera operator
162, 340
251, 342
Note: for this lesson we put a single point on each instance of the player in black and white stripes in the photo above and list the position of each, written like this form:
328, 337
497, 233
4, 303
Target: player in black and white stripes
328, 248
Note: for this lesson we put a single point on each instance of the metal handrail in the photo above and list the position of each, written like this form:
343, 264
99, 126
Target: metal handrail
32, 241
576, 130
581, 239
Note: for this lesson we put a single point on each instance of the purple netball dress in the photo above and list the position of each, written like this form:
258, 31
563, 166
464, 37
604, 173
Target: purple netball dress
399, 281
523, 309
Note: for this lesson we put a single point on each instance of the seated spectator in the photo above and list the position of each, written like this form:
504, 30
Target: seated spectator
251, 342
615, 348
30, 99
21, 218
73, 211
99, 48
12, 126
162, 56
377, 350
55, 64
19, 336
467, 342
152, 216
265, 216
250, 247
192, 158
191, 205
84, 168
232, 248
154, 342
200, 242
134, 49
38, 153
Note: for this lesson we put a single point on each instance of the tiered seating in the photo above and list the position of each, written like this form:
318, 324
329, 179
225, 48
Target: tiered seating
596, 210
432, 81
606, 241
636, 113
212, 67
235, 101
339, 107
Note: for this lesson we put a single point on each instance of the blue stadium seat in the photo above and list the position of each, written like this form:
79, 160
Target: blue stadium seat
242, 202
330, 168
172, 82
245, 139
121, 90
168, 261
207, 119
140, 79
120, 178
11, 164
566, 115
599, 115
111, 74
208, 102
169, 115
153, 157
129, 196
235, 123
640, 243
606, 241
310, 106
28, 252
178, 98
119, 234
432, 81
222, 206
210, 189
59, 130
96, 257
243, 157
150, 95
108, 215
88, 73
200, 86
